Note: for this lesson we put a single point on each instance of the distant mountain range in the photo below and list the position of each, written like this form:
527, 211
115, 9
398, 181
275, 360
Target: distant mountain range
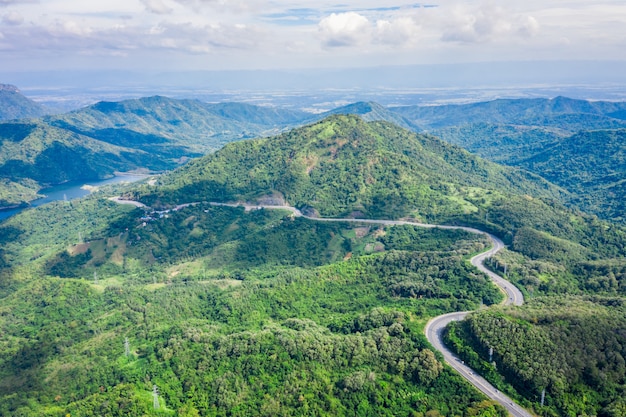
157, 133
196, 126
576, 144
14, 105
161, 133
560, 112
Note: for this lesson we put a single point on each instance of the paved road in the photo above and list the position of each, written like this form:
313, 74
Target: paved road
434, 328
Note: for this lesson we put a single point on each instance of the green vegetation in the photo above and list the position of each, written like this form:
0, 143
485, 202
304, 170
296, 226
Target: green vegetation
14, 193
576, 144
572, 347
34, 155
592, 166
344, 166
192, 126
245, 313
14, 105
154, 133
387, 172
234, 312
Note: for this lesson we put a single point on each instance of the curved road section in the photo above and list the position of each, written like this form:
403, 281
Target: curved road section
435, 327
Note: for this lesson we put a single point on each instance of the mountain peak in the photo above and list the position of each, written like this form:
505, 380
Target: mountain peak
372, 111
10, 88
14, 105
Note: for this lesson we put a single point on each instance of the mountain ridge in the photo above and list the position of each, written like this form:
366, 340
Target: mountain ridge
347, 152
14, 105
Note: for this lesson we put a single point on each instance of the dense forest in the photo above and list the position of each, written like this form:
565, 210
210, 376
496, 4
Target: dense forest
200, 310
573, 347
308, 318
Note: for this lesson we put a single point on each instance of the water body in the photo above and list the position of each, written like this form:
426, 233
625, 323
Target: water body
69, 191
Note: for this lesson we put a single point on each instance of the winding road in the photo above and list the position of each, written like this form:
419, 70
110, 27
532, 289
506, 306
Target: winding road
435, 327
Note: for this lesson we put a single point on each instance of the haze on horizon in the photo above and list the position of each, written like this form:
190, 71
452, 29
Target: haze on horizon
152, 36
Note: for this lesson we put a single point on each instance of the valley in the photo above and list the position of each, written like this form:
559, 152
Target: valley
299, 273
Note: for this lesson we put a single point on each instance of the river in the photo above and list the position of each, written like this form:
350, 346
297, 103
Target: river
69, 191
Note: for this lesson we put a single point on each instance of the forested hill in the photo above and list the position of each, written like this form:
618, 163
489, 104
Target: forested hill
590, 164
156, 133
573, 347
34, 155
370, 111
14, 105
199, 127
559, 112
344, 164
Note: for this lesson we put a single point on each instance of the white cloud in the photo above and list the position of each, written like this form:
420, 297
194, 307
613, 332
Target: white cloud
485, 23
529, 26
280, 33
219, 5
13, 19
71, 27
344, 29
401, 31
16, 2
69, 37
156, 6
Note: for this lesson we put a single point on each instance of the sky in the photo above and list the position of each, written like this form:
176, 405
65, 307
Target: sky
181, 35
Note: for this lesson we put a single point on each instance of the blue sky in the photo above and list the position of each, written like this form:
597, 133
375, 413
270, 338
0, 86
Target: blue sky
253, 34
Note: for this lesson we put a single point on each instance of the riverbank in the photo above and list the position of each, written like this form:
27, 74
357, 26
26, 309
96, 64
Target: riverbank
70, 191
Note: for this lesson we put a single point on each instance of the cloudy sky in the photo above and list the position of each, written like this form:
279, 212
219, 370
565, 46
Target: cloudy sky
252, 34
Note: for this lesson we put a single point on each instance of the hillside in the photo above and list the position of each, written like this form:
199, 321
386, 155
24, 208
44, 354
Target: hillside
34, 155
156, 133
573, 347
196, 126
14, 105
502, 143
227, 312
592, 166
343, 165
575, 144
371, 112
560, 112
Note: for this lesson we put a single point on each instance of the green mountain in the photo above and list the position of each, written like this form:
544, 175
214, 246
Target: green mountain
343, 165
14, 105
34, 155
196, 126
592, 166
573, 347
371, 112
560, 112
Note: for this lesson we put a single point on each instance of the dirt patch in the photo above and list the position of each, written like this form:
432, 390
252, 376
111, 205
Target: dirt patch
360, 232
78, 249
380, 232
374, 247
